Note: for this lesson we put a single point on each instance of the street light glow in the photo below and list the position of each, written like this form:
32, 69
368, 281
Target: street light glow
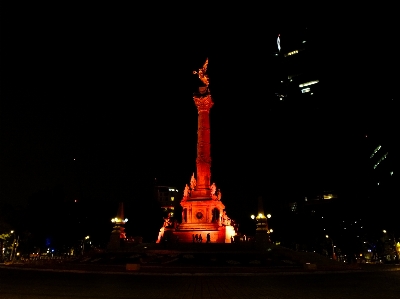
119, 220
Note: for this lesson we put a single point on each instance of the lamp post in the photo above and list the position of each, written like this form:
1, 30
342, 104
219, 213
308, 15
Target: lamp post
83, 244
393, 247
261, 221
14, 246
333, 247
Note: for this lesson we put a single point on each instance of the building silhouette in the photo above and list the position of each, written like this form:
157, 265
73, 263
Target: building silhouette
296, 59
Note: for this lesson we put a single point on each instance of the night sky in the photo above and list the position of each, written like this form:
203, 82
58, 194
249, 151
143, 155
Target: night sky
99, 102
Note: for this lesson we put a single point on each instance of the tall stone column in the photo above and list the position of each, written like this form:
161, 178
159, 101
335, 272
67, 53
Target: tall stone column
203, 103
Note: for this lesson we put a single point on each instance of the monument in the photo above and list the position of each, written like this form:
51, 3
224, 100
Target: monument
118, 233
262, 231
203, 213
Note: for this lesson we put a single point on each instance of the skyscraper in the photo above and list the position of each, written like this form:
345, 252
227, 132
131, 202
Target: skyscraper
296, 60
381, 149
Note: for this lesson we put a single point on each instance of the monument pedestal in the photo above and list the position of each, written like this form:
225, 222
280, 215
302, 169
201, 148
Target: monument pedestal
118, 232
115, 241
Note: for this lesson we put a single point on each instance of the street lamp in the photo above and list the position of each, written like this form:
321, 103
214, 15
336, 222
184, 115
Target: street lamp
83, 244
333, 247
13, 246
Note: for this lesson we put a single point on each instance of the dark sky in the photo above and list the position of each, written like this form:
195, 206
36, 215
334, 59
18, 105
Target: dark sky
99, 101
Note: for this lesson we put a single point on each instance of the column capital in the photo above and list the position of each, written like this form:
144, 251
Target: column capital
203, 102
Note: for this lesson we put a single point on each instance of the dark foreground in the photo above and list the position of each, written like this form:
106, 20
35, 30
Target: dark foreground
45, 284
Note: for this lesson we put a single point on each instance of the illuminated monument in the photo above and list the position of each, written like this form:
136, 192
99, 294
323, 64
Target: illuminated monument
118, 233
203, 213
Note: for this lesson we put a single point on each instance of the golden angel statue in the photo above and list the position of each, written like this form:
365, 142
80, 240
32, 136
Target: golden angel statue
202, 74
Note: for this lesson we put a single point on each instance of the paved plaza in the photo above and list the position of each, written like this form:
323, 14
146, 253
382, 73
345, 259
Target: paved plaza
50, 284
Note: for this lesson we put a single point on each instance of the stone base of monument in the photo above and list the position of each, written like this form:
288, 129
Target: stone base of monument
188, 236
186, 233
262, 239
115, 241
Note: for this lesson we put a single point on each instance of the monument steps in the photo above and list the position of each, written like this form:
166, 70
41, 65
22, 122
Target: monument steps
200, 227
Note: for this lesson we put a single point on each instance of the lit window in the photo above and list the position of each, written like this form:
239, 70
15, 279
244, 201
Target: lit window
304, 90
292, 53
375, 150
172, 198
380, 160
278, 41
309, 83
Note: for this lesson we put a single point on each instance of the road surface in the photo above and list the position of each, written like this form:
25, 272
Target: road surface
53, 285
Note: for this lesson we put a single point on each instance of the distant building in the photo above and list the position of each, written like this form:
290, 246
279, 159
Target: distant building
296, 62
381, 163
168, 198
313, 202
